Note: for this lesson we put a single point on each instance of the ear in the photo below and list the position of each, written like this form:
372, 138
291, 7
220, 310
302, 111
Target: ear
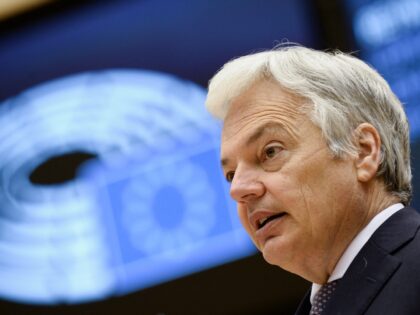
368, 142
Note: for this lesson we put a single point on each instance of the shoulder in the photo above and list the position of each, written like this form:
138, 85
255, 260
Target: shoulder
383, 277
399, 232
399, 239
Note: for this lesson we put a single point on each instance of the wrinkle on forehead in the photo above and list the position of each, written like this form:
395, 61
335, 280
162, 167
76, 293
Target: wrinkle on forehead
264, 102
243, 122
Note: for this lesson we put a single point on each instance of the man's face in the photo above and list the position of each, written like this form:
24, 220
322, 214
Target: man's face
298, 203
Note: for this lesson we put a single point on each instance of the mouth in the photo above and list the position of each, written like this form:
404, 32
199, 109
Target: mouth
263, 221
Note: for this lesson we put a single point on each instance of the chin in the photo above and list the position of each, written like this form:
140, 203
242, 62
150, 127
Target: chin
281, 252
275, 256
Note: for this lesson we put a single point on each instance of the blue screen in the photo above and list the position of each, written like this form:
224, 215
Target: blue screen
109, 162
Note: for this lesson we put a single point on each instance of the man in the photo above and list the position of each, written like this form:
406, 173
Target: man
316, 148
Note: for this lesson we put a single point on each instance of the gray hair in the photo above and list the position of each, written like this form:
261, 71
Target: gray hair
343, 91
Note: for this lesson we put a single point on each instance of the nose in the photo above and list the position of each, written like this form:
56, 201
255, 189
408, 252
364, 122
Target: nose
246, 186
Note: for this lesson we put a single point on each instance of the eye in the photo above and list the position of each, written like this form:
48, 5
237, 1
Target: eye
229, 176
271, 151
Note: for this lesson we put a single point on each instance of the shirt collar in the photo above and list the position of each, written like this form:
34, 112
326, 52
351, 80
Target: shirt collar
356, 245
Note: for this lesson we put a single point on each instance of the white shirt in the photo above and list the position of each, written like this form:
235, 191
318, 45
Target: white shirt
356, 245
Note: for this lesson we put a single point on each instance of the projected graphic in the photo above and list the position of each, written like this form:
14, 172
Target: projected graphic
168, 212
149, 203
388, 33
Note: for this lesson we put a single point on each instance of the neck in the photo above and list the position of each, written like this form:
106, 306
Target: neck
378, 200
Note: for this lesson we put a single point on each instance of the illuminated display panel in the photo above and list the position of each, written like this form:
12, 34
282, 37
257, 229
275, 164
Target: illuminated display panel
122, 84
152, 205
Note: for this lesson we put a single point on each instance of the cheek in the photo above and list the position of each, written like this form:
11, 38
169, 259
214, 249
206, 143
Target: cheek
301, 199
325, 194
287, 192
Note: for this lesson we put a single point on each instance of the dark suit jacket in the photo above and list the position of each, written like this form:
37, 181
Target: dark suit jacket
384, 278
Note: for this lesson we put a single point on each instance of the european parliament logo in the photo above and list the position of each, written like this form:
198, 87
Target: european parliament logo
149, 206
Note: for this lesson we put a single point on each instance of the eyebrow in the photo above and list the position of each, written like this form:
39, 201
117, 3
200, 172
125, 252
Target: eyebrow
257, 134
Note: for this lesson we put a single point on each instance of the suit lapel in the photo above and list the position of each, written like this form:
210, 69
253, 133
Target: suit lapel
362, 282
374, 265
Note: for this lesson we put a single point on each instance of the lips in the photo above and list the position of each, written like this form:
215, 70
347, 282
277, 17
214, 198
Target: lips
264, 221
261, 218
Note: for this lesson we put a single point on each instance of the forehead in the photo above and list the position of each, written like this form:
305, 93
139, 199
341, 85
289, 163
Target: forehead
265, 102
